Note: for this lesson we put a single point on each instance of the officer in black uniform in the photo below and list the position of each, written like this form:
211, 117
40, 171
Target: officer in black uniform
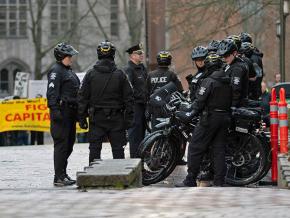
250, 67
137, 74
198, 56
213, 102
256, 57
106, 96
162, 75
245, 50
237, 70
63, 85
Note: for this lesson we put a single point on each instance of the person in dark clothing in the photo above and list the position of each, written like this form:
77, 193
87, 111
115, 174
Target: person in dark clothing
36, 136
198, 56
213, 102
256, 57
106, 96
160, 77
246, 48
237, 70
157, 79
252, 88
137, 74
62, 88
265, 103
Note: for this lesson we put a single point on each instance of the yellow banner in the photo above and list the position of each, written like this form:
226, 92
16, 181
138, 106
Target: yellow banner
25, 114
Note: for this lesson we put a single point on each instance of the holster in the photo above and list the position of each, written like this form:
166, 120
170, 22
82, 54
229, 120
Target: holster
204, 118
91, 114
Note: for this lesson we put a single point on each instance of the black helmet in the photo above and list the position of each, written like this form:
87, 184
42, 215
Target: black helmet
236, 39
63, 50
164, 58
227, 47
213, 46
246, 48
213, 60
106, 49
246, 37
199, 52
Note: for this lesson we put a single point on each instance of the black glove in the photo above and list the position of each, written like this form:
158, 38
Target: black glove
55, 115
83, 124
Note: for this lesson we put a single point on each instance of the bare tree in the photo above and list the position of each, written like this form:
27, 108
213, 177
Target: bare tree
36, 32
133, 11
36, 11
198, 22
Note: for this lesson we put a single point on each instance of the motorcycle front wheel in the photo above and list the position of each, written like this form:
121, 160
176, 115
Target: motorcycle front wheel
159, 156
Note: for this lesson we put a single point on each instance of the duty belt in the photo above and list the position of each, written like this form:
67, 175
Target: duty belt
220, 111
73, 105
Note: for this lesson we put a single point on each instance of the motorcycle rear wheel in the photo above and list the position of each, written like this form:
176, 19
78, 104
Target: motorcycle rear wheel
245, 159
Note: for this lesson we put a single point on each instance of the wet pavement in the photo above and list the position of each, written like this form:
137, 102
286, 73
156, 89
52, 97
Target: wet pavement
26, 190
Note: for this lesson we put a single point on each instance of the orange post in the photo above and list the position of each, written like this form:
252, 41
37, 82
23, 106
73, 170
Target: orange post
274, 125
283, 122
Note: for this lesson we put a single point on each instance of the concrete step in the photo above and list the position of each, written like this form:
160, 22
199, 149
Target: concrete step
113, 173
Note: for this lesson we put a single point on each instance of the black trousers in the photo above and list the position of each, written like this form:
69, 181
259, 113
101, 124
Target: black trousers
63, 133
212, 132
36, 136
109, 126
137, 132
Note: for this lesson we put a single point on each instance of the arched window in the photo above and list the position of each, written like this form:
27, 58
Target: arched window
4, 81
8, 71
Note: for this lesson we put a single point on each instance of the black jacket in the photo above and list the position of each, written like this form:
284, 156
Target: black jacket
104, 86
63, 85
194, 82
160, 77
253, 88
137, 75
239, 81
214, 93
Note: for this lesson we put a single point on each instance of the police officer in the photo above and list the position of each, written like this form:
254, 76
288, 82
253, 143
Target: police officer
256, 57
249, 65
236, 69
107, 97
198, 56
245, 51
137, 74
213, 102
63, 85
162, 75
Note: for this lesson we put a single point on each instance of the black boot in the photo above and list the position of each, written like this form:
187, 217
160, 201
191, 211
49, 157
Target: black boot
70, 179
62, 181
186, 183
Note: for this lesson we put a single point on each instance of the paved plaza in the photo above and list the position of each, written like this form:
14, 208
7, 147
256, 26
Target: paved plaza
26, 190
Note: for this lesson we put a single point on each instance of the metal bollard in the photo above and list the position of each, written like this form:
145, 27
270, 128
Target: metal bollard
274, 125
283, 122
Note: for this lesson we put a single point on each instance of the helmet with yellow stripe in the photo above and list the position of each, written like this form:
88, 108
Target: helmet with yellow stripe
213, 60
164, 58
106, 49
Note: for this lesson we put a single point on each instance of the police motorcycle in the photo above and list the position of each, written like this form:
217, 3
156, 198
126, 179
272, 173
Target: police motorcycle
247, 151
